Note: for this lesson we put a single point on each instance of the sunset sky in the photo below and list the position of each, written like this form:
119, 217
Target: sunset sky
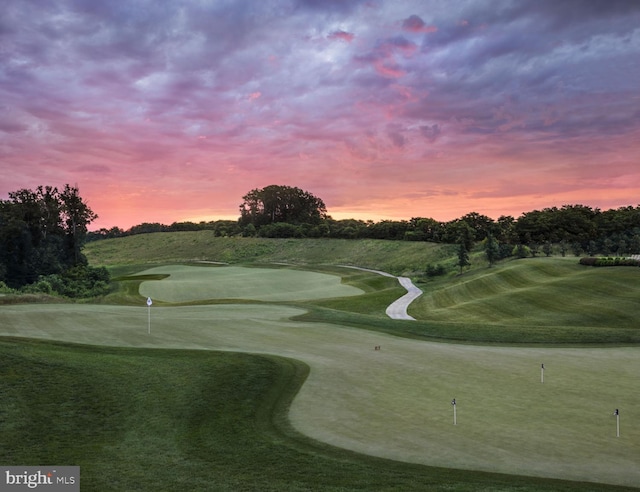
172, 110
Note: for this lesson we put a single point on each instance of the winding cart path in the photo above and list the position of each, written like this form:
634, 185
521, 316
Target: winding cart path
398, 308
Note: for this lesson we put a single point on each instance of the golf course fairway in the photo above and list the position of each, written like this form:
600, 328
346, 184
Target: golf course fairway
396, 402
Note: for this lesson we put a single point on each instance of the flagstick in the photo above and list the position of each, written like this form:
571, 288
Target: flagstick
542, 373
453, 402
617, 414
149, 302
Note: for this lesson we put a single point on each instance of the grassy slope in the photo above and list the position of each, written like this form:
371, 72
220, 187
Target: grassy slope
397, 257
136, 419
535, 300
541, 291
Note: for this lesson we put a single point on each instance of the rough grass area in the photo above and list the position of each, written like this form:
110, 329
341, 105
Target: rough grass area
193, 283
396, 257
162, 420
395, 402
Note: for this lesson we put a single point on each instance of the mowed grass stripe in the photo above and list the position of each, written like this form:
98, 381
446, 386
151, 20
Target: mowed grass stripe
192, 283
542, 291
395, 403
164, 420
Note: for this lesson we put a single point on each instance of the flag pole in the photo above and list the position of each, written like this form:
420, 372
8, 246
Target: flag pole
542, 373
453, 402
617, 414
149, 302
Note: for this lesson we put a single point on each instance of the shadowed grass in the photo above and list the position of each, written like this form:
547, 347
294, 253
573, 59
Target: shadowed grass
166, 420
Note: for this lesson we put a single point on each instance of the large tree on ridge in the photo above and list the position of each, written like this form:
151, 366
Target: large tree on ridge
276, 203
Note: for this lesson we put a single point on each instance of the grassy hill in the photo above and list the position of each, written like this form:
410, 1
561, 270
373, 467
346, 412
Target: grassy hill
534, 300
396, 257
541, 291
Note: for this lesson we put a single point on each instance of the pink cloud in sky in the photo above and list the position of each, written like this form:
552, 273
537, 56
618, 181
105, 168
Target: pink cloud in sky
170, 111
341, 35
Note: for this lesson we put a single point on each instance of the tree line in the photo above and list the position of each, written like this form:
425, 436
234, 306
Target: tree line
288, 212
42, 232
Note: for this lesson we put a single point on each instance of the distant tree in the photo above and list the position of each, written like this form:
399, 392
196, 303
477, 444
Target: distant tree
547, 248
249, 231
564, 247
491, 249
424, 229
76, 216
506, 230
285, 204
458, 231
481, 224
347, 228
622, 247
280, 229
463, 256
146, 228
576, 248
634, 245
521, 251
388, 229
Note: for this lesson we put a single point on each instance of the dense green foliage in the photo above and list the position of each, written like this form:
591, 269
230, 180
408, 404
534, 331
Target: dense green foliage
167, 420
574, 228
41, 236
281, 204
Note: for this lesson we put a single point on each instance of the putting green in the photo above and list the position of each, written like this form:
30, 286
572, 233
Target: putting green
195, 283
395, 402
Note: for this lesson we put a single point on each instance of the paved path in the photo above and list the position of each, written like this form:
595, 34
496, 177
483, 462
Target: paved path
398, 308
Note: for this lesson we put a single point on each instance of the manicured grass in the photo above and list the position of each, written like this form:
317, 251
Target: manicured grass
394, 403
543, 293
193, 283
164, 420
531, 301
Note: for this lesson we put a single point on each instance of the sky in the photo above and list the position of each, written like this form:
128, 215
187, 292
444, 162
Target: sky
173, 110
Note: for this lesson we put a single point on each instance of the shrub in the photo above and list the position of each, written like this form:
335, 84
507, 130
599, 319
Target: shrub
5, 289
521, 251
77, 282
435, 270
280, 230
609, 261
39, 287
